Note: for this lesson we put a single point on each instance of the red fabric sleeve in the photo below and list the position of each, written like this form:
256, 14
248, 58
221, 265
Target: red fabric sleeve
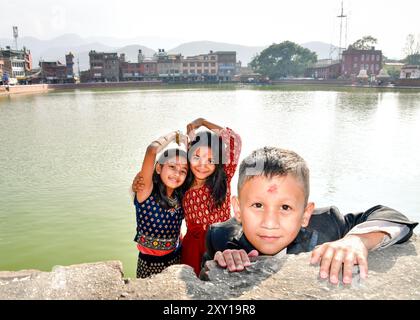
233, 144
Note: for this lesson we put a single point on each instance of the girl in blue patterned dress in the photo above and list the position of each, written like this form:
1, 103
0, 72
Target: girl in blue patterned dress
158, 205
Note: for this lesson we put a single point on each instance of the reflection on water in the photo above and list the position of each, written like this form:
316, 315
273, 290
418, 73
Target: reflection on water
67, 159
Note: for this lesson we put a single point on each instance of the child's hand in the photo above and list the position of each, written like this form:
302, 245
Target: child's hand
183, 139
197, 123
234, 260
351, 250
138, 183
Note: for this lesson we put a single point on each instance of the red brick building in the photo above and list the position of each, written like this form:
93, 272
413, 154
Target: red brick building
149, 68
324, 69
137, 71
56, 72
355, 60
130, 71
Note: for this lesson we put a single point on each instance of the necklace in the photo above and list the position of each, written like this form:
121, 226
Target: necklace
173, 202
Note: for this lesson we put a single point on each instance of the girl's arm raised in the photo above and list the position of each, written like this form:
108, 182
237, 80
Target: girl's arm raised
231, 139
143, 182
203, 122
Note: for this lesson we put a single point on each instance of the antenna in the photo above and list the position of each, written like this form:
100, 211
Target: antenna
347, 24
341, 16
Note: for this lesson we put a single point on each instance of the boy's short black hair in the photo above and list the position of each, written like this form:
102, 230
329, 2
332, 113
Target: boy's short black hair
270, 162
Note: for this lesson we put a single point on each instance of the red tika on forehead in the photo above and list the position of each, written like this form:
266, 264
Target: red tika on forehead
272, 189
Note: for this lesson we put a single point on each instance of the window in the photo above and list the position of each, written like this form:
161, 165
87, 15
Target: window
373, 57
363, 57
377, 67
212, 58
367, 57
378, 57
192, 64
206, 71
355, 66
185, 64
199, 71
192, 71
198, 64
213, 64
206, 64
356, 59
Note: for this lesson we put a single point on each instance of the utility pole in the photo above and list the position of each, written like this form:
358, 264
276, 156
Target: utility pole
15, 35
78, 67
341, 16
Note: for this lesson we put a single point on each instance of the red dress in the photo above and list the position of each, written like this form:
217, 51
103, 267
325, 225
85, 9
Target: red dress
199, 209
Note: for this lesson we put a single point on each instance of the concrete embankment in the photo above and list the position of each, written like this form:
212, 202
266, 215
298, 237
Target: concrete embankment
42, 88
394, 273
21, 89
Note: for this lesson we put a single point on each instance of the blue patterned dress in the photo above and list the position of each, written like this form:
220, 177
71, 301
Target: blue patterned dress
158, 236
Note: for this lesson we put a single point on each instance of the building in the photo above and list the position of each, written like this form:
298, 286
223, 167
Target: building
53, 72
129, 71
202, 67
1, 68
226, 65
410, 72
56, 72
324, 69
355, 60
16, 63
149, 69
69, 65
143, 69
104, 67
213, 66
168, 65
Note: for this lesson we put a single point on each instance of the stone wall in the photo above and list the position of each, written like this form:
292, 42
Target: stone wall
24, 89
394, 273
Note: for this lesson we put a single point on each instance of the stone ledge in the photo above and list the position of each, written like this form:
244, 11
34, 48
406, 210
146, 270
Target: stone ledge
394, 273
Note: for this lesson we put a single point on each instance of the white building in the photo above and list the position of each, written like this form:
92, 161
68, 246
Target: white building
410, 72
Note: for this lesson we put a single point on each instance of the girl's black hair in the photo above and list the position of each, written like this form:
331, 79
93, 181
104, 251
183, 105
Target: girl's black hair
159, 188
217, 181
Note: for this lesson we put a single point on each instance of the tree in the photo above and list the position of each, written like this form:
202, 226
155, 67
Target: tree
283, 59
413, 59
365, 43
412, 50
411, 45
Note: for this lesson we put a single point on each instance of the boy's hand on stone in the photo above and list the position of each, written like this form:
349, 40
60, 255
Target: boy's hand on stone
234, 260
341, 254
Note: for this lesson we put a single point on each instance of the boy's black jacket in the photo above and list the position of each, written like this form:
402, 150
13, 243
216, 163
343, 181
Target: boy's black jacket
326, 224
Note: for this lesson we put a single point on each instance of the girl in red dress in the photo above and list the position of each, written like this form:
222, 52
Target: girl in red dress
213, 157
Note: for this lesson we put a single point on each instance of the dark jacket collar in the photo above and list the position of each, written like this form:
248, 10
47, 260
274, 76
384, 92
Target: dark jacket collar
305, 241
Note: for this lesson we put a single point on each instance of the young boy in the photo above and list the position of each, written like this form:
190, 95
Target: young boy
273, 215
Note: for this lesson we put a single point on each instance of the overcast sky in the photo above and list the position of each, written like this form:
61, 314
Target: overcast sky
246, 22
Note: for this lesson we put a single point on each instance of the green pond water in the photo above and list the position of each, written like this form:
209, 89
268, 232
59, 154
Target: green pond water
67, 159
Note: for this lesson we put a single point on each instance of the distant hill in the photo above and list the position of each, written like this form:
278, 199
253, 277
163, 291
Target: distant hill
56, 48
243, 53
322, 49
246, 53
